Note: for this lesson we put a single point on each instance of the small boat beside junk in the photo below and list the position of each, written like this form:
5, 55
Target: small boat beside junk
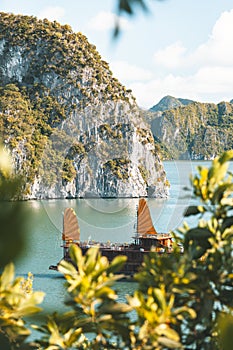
146, 237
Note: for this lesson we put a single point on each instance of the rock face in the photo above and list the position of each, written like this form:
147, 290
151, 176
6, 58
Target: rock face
170, 102
72, 128
198, 131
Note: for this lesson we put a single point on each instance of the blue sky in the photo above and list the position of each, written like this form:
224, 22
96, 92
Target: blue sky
183, 48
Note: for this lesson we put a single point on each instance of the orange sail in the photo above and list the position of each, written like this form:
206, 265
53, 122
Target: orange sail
71, 229
144, 222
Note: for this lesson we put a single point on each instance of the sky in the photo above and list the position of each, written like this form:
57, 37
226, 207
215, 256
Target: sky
182, 48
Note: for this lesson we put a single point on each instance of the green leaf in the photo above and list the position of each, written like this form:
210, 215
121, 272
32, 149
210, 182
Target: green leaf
217, 172
194, 210
116, 308
91, 259
159, 296
225, 324
29, 306
125, 6
75, 335
104, 292
220, 192
67, 268
27, 310
226, 156
185, 310
36, 298
5, 342
165, 330
76, 255
169, 343
7, 276
117, 264
227, 222
197, 252
198, 233
227, 202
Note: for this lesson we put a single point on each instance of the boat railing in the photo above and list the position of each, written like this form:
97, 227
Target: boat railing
157, 236
105, 245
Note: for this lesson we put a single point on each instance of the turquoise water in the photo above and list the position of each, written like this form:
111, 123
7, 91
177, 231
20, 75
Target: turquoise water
100, 220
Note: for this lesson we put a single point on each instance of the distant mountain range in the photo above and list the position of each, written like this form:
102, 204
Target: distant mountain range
186, 129
169, 102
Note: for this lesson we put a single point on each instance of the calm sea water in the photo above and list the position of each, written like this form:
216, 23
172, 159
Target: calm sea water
99, 219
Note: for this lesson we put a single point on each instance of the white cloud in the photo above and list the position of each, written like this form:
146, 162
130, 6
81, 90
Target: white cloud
106, 21
125, 71
209, 67
222, 33
171, 56
217, 50
52, 13
215, 80
208, 84
149, 93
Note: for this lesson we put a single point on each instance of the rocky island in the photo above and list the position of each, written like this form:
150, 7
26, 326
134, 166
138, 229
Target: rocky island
73, 130
191, 130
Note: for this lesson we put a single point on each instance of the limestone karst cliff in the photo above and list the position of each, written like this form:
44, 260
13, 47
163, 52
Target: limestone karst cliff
197, 131
72, 128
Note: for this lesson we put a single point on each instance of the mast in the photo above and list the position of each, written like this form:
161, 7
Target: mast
144, 222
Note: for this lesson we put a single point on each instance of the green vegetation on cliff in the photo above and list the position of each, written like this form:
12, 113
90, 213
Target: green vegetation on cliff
195, 131
58, 99
53, 48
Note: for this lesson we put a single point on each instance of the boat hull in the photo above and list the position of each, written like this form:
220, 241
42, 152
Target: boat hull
135, 257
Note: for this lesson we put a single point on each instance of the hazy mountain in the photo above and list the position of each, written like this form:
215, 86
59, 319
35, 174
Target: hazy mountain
169, 102
195, 131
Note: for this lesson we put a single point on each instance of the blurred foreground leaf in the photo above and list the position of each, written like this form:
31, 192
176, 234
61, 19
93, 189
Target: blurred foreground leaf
12, 215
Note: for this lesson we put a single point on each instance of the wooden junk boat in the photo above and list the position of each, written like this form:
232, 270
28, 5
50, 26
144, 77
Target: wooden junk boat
145, 238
